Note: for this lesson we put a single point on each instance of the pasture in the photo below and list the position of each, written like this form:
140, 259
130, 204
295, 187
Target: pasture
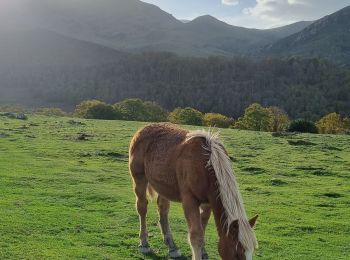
65, 192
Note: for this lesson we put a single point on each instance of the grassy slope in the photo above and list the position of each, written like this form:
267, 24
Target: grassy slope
61, 198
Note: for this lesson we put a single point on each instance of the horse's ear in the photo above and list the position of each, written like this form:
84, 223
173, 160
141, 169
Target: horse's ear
234, 227
252, 222
235, 224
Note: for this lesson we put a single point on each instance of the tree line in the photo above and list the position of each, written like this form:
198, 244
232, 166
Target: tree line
255, 117
304, 88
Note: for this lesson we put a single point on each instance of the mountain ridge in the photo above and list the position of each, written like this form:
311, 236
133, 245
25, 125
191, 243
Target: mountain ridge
328, 37
132, 25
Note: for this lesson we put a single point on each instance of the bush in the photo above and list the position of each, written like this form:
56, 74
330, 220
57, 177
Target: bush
138, 110
303, 126
50, 112
332, 123
186, 116
82, 109
15, 109
256, 118
95, 109
217, 120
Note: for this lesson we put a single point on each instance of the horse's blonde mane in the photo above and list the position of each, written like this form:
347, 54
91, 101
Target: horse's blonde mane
228, 188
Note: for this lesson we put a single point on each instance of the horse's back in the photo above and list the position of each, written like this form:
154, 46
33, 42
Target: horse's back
171, 163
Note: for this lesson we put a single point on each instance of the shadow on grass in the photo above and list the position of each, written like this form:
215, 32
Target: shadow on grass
154, 256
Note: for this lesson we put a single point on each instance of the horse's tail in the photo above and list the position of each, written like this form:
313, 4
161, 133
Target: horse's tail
151, 193
230, 196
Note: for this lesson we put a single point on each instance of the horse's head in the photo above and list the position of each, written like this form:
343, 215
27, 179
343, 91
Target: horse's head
230, 248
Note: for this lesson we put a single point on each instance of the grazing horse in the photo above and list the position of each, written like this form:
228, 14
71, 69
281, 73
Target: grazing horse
192, 168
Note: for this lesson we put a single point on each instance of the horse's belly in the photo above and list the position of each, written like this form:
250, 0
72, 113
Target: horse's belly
167, 192
164, 183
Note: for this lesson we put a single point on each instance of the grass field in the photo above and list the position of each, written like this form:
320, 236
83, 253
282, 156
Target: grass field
64, 198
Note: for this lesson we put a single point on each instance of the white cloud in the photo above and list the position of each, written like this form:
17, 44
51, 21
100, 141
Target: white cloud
230, 2
272, 13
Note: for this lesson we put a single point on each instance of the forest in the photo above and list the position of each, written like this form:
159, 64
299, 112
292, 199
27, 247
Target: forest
304, 88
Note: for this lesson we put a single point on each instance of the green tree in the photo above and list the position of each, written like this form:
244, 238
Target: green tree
217, 120
138, 110
155, 113
256, 118
186, 116
303, 126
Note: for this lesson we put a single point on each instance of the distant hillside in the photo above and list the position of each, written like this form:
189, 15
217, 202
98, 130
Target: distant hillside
328, 38
34, 59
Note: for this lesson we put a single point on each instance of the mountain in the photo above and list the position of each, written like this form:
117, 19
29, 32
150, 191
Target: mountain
327, 38
132, 25
113, 23
285, 31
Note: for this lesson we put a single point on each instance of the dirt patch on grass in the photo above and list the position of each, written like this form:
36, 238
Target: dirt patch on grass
317, 171
258, 191
301, 143
4, 135
84, 137
277, 182
322, 173
333, 195
331, 148
103, 153
309, 168
253, 170
325, 205
283, 134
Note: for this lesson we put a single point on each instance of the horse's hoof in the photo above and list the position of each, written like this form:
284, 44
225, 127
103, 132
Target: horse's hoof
204, 254
145, 249
175, 253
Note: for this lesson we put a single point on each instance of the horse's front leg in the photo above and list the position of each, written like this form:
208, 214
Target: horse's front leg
163, 210
196, 233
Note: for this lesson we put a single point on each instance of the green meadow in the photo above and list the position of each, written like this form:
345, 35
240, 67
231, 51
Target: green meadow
66, 198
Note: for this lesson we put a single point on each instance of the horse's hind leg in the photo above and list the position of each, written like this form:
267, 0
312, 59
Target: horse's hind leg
205, 215
140, 187
163, 210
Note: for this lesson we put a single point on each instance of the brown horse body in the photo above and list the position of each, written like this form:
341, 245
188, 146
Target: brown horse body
183, 166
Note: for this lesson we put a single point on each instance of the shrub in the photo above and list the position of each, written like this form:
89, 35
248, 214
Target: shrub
95, 109
280, 119
303, 126
217, 120
256, 118
186, 116
332, 123
82, 109
138, 110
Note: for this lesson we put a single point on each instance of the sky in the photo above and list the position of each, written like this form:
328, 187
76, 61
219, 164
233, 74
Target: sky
260, 14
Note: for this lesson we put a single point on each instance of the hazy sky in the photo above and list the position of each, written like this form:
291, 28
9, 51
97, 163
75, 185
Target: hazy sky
252, 13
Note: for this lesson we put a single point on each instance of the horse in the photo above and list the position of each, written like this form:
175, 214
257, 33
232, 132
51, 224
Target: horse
193, 168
